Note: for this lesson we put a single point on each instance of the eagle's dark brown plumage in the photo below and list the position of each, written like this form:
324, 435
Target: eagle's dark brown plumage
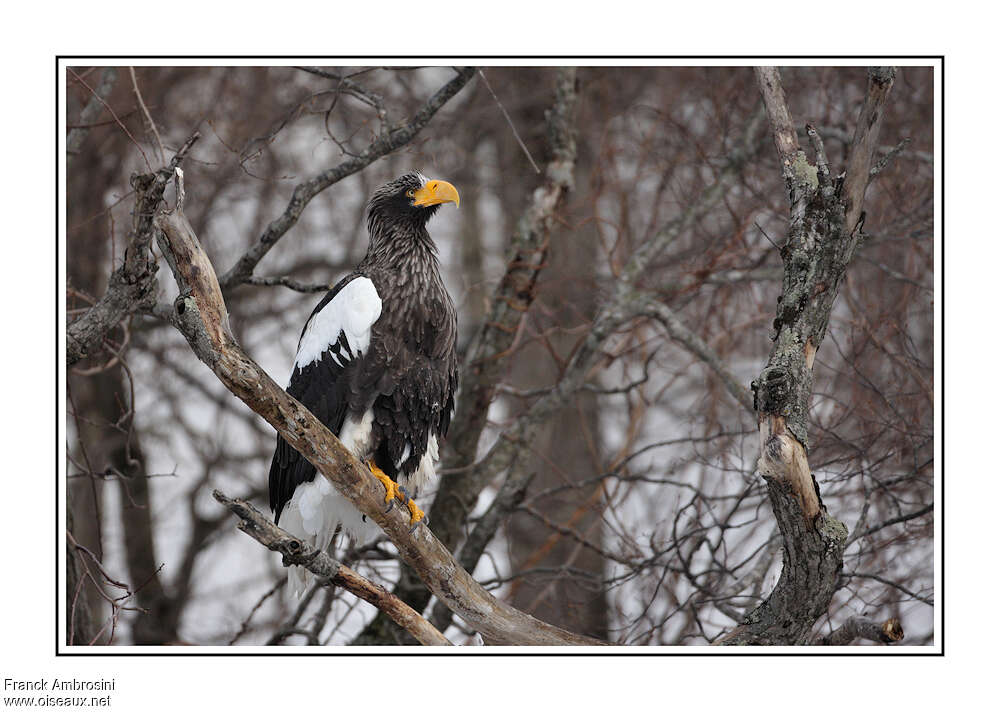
376, 363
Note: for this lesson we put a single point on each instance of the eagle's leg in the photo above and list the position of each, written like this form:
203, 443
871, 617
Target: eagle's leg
391, 488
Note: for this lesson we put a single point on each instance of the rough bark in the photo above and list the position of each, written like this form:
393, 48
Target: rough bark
861, 627
200, 314
822, 237
132, 286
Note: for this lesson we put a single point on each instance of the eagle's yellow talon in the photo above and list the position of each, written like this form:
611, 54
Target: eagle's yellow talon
416, 514
394, 491
391, 489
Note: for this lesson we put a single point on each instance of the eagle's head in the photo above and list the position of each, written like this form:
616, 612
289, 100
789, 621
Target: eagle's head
409, 200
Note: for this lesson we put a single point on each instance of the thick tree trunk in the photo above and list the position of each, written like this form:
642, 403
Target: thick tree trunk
823, 233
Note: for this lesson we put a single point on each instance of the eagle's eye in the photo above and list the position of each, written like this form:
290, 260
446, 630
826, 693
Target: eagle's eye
411, 192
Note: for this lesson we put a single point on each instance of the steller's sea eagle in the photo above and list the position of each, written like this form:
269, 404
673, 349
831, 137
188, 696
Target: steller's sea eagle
376, 363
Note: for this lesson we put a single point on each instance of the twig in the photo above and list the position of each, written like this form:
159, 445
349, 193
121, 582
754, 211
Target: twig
112, 112
145, 112
887, 158
510, 123
292, 284
890, 522
697, 346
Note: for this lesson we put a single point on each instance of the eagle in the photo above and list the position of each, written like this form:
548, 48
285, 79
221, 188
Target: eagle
376, 363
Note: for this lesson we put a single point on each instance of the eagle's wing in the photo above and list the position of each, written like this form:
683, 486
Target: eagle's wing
335, 338
413, 370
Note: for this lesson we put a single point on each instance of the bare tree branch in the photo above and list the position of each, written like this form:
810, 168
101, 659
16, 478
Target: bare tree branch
861, 627
146, 114
865, 143
132, 286
329, 571
90, 112
697, 346
385, 143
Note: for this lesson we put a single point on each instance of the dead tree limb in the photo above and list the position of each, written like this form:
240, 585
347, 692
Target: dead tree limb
861, 627
822, 238
132, 286
329, 571
200, 315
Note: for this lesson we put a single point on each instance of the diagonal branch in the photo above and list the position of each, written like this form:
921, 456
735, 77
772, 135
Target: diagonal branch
865, 142
680, 332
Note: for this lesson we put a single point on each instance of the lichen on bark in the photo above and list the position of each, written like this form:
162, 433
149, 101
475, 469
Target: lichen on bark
822, 238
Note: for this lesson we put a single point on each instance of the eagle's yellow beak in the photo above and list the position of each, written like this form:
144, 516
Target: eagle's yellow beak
435, 192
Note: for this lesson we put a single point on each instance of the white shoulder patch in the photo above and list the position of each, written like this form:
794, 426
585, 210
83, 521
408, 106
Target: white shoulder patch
353, 311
